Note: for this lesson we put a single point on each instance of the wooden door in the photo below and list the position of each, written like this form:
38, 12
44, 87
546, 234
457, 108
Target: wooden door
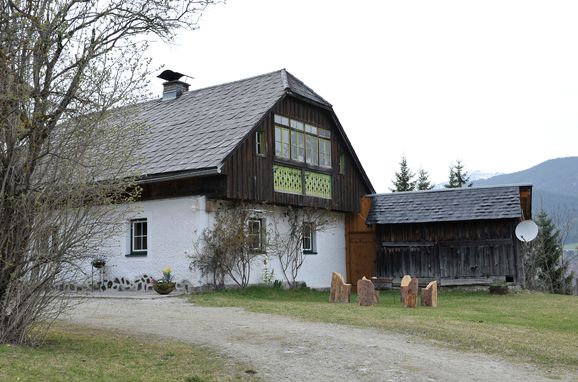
362, 255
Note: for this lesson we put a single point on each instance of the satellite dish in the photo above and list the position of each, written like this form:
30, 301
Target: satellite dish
526, 231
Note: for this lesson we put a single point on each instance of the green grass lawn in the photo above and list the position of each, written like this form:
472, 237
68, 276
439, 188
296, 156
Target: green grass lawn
529, 327
73, 353
571, 246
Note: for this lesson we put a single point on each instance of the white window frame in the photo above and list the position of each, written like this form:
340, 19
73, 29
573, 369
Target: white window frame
259, 234
260, 142
133, 223
312, 250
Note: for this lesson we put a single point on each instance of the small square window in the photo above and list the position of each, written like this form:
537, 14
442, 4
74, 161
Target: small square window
138, 237
281, 120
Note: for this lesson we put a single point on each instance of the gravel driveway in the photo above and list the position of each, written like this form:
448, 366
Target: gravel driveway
285, 349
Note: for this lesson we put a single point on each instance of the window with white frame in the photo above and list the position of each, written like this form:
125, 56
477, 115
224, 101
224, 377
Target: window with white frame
260, 143
309, 242
256, 235
138, 237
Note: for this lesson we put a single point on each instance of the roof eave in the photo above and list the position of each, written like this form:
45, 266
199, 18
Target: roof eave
155, 178
441, 220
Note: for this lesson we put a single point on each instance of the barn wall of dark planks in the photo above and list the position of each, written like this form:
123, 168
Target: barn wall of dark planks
459, 252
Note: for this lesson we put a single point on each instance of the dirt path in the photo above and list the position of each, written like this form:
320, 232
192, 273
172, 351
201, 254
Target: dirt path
284, 349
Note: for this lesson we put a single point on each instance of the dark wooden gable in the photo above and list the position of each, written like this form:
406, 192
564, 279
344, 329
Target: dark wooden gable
250, 175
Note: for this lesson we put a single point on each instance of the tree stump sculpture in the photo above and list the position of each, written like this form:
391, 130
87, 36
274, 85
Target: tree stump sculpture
340, 291
429, 295
410, 298
366, 293
403, 288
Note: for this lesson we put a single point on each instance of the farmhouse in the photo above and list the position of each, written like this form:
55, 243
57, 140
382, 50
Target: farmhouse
457, 236
273, 143
268, 140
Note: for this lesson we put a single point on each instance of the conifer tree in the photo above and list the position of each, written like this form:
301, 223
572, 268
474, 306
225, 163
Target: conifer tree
404, 178
423, 182
458, 177
545, 266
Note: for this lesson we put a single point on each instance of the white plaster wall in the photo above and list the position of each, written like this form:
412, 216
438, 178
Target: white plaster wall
173, 225
317, 268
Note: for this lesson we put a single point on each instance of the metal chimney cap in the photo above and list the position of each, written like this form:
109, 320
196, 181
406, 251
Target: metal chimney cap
169, 75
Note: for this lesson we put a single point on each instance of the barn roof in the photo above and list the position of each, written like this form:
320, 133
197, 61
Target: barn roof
454, 204
200, 128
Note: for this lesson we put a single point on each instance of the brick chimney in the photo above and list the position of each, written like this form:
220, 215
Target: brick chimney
173, 88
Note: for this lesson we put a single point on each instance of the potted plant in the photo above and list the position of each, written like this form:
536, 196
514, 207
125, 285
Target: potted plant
164, 285
98, 262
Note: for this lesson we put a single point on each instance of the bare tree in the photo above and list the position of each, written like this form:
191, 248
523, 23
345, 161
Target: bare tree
287, 233
230, 246
64, 65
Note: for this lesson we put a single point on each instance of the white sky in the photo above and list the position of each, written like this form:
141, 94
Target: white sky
493, 83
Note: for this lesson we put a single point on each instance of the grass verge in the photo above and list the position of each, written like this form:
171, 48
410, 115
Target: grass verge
531, 327
74, 353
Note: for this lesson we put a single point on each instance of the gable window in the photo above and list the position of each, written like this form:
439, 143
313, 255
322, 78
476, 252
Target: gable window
138, 237
261, 145
309, 239
324, 152
312, 150
297, 146
302, 142
282, 149
256, 236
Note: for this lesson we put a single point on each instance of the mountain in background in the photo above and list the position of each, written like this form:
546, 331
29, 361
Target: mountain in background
555, 189
475, 176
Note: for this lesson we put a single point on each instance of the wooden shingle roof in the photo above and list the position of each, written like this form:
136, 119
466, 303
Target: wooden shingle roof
456, 204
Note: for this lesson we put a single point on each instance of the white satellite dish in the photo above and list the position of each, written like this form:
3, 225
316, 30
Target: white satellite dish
526, 231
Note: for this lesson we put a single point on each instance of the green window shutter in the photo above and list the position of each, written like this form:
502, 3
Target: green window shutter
287, 179
317, 184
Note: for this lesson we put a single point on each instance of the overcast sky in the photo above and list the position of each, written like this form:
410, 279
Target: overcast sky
493, 83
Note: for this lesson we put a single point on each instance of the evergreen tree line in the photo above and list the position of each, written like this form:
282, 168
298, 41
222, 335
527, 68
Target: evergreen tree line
405, 178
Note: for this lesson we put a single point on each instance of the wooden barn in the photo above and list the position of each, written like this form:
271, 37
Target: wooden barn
458, 236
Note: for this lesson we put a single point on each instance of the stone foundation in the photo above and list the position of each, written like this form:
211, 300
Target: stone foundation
143, 283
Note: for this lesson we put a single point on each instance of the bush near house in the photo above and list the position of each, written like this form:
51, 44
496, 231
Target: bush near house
530, 327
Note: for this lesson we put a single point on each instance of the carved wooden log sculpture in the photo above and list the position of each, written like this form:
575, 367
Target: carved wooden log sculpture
366, 293
340, 291
410, 300
429, 295
403, 288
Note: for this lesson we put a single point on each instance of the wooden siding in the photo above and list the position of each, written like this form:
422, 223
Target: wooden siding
212, 186
450, 250
360, 244
250, 176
